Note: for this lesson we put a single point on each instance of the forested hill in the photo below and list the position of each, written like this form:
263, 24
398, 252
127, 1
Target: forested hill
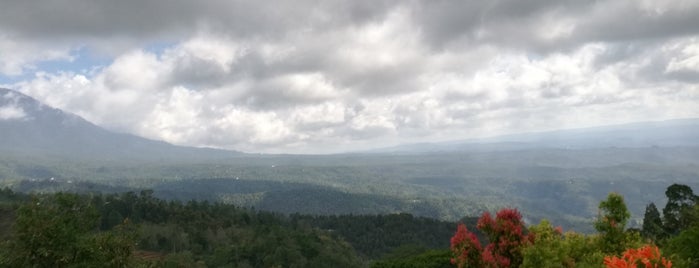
137, 229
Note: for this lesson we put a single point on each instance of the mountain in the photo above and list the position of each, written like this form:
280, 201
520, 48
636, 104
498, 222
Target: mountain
31, 128
670, 133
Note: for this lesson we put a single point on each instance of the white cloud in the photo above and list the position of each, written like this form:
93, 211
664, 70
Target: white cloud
18, 56
685, 56
376, 76
10, 112
136, 70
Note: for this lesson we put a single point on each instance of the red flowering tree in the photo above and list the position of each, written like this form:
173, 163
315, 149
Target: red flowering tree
646, 256
466, 248
506, 236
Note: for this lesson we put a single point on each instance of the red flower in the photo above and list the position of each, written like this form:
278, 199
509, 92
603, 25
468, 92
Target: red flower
559, 230
506, 236
648, 256
465, 247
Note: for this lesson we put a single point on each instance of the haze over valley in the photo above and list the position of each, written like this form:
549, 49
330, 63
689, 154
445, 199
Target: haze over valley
348, 133
560, 174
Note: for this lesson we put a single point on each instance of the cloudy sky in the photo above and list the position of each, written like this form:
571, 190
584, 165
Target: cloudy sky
309, 76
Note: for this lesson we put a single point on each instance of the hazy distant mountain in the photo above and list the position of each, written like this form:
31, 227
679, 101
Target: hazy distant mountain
28, 127
671, 133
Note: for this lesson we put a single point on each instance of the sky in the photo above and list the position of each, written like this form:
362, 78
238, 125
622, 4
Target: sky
332, 76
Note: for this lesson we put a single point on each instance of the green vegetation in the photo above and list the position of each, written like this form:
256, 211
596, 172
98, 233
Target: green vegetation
375, 236
140, 229
416, 258
613, 246
611, 224
563, 186
69, 230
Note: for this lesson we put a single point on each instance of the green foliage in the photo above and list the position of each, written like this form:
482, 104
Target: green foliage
184, 259
60, 231
547, 249
611, 224
424, 259
683, 247
677, 213
652, 224
373, 236
551, 248
111, 249
69, 230
584, 250
561, 185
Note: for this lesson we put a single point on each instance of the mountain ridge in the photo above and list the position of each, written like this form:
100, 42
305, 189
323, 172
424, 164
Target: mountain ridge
30, 127
666, 133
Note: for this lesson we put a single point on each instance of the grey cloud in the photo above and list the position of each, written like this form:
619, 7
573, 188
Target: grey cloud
197, 73
645, 64
510, 22
517, 24
686, 76
624, 51
624, 21
505, 23
145, 19
448, 66
264, 77
273, 95
382, 81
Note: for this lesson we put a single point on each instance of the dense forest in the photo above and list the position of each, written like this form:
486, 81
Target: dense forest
563, 186
139, 230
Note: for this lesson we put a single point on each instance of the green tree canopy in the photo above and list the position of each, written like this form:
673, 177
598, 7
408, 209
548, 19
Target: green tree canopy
652, 223
677, 213
611, 223
60, 231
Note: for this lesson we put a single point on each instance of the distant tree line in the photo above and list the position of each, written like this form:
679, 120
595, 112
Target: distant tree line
134, 229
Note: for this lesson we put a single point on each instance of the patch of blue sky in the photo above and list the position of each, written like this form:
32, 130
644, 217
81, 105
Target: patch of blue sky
159, 47
7, 81
82, 62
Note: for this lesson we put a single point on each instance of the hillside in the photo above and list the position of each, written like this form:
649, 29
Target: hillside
670, 133
45, 150
31, 128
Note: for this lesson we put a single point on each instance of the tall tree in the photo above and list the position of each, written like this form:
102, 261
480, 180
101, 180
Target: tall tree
466, 248
652, 223
506, 234
611, 223
677, 213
